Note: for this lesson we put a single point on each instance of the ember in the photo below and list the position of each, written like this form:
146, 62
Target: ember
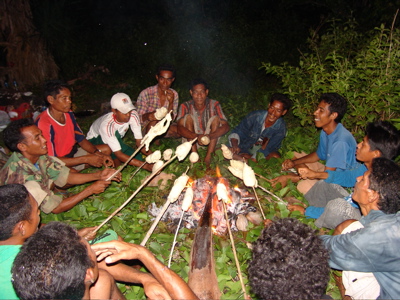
240, 203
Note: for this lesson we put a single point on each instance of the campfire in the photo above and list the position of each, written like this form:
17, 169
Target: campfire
240, 204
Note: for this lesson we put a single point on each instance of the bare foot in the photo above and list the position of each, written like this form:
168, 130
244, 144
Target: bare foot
299, 208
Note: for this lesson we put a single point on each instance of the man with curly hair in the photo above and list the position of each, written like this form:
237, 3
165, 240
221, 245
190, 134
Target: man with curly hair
289, 262
375, 247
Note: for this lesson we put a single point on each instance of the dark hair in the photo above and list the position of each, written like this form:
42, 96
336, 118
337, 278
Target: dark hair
283, 99
385, 180
14, 208
52, 264
167, 67
12, 135
289, 262
336, 103
383, 136
197, 81
53, 88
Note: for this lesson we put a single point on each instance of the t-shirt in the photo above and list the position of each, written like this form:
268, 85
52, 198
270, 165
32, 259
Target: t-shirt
106, 126
338, 149
60, 138
7, 256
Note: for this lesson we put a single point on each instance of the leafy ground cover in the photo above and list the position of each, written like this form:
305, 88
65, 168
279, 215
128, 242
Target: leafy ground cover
133, 221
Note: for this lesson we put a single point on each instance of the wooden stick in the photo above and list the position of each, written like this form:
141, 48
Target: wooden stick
152, 175
259, 204
234, 251
154, 225
125, 164
174, 242
272, 194
137, 170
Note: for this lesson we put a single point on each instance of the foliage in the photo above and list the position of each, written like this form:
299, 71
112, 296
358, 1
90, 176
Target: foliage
364, 69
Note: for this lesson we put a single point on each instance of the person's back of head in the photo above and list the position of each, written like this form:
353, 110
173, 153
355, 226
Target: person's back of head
12, 135
14, 208
289, 262
383, 136
51, 264
53, 88
336, 103
385, 180
287, 103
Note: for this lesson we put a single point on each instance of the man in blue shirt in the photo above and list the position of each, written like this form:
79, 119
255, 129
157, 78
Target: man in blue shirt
331, 203
261, 130
337, 145
374, 248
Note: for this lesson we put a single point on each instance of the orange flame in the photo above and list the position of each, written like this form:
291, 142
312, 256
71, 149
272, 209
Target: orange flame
218, 171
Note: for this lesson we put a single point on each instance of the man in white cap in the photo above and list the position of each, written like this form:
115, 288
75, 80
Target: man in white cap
112, 127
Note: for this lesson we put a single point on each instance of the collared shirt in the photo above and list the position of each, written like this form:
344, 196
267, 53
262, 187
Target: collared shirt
338, 149
47, 171
212, 108
374, 248
251, 129
106, 126
149, 101
61, 138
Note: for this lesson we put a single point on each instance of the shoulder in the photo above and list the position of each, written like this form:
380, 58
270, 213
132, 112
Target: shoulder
43, 118
148, 90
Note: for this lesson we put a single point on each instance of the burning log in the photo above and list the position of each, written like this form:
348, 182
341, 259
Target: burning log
202, 277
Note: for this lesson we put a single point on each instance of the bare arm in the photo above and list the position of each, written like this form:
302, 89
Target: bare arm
70, 202
300, 162
220, 131
116, 250
306, 173
75, 178
184, 132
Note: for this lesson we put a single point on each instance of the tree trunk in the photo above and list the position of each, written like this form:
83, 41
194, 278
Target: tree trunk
28, 61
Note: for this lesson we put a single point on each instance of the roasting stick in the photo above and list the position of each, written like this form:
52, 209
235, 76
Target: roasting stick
158, 129
272, 194
222, 194
180, 153
150, 159
259, 204
176, 190
186, 203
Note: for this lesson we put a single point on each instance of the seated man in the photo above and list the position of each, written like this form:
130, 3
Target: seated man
111, 128
203, 118
30, 162
71, 268
19, 219
261, 131
337, 145
374, 248
157, 96
329, 203
62, 132
289, 262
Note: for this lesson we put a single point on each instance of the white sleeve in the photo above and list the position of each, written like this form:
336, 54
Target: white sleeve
135, 125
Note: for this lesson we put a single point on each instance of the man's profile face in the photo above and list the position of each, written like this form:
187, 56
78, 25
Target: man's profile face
361, 188
62, 102
275, 111
363, 152
165, 80
323, 116
34, 142
34, 218
199, 95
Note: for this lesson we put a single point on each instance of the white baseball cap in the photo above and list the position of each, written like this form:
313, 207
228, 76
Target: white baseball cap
122, 102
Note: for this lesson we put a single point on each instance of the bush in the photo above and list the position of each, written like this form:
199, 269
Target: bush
362, 69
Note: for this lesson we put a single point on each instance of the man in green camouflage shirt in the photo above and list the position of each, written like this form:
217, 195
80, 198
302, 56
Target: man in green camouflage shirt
30, 162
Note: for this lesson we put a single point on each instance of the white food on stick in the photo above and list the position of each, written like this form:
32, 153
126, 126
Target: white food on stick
167, 154
226, 152
152, 158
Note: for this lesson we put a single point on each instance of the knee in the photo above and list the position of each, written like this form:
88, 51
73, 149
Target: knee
273, 154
